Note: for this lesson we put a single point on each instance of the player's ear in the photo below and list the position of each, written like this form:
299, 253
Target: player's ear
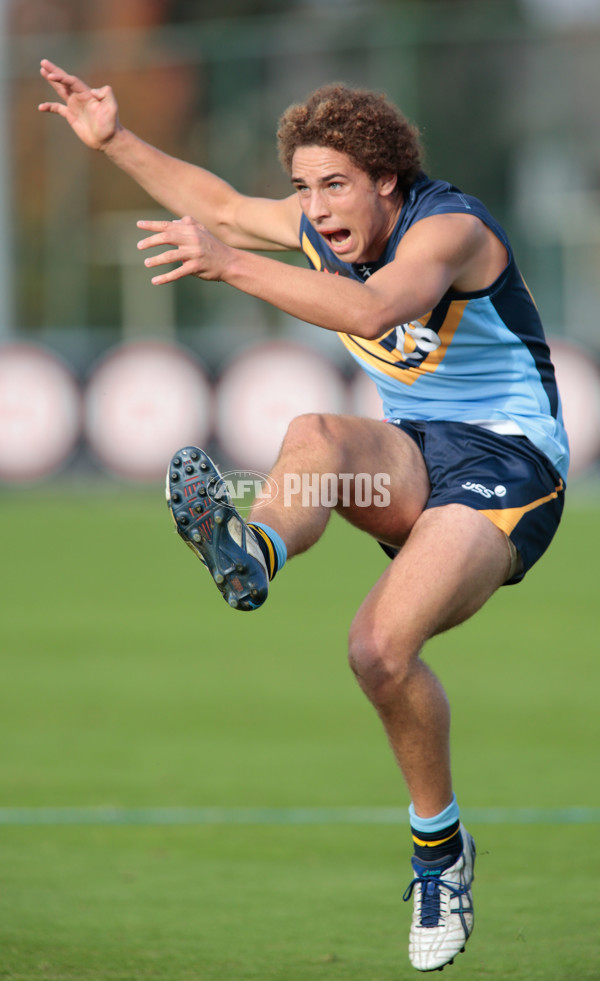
387, 184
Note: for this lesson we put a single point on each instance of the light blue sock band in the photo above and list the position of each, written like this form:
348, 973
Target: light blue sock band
437, 823
278, 544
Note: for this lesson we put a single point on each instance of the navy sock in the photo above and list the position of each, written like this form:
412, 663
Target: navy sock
441, 847
437, 839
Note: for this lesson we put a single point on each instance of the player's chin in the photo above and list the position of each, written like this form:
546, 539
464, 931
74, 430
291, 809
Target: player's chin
348, 251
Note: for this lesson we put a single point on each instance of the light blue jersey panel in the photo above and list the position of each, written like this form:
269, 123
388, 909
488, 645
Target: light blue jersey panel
477, 357
467, 387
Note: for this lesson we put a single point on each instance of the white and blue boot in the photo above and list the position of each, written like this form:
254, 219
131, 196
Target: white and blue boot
443, 909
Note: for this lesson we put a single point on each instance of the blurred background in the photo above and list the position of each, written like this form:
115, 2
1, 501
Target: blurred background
103, 374
157, 731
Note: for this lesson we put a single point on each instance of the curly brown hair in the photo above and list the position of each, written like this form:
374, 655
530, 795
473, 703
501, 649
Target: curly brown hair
363, 124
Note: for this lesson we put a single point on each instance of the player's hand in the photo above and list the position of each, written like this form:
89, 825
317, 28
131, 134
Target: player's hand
91, 113
197, 251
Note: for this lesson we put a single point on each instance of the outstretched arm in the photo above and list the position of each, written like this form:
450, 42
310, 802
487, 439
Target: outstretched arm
435, 254
180, 187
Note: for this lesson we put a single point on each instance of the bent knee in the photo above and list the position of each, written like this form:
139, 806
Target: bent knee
317, 432
381, 663
310, 426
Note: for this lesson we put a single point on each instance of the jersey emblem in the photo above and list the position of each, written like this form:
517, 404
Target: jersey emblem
409, 351
415, 341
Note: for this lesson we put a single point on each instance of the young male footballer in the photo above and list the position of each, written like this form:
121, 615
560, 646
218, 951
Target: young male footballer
421, 285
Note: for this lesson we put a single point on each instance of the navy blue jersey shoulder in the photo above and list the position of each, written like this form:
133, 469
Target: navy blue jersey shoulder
434, 197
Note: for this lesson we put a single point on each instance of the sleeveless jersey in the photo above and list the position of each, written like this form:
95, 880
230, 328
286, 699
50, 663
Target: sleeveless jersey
478, 357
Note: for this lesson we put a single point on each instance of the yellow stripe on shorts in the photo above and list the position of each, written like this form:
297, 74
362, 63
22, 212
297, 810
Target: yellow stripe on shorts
507, 519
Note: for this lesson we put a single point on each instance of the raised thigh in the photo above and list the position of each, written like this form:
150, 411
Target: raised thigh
383, 484
452, 562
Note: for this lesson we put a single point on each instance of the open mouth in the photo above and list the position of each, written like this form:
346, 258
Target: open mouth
338, 238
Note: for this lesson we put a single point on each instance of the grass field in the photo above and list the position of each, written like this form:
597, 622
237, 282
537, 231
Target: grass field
129, 686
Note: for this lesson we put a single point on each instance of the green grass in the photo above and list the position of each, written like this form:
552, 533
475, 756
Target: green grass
128, 683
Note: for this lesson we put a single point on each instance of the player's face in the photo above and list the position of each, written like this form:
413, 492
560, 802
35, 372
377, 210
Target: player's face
354, 214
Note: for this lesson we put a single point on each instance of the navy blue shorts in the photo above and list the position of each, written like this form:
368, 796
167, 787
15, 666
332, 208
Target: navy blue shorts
505, 477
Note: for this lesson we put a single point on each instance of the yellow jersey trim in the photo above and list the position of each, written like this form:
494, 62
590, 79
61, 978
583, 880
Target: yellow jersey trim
309, 250
391, 362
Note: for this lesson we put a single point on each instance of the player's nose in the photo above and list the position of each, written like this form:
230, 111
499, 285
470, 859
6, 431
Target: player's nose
317, 206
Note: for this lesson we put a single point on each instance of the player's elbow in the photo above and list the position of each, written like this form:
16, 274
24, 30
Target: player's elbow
371, 320
226, 231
